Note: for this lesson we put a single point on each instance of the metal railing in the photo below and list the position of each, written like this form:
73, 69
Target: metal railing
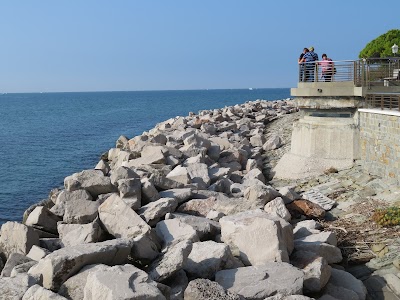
365, 72
384, 101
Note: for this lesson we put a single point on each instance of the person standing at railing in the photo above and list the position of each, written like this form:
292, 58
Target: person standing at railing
326, 68
310, 58
302, 70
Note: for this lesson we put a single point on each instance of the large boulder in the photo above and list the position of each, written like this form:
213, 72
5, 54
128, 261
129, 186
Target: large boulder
122, 282
246, 233
58, 266
42, 218
92, 181
181, 195
197, 207
259, 282
14, 288
67, 196
120, 220
198, 174
260, 194
75, 234
154, 211
15, 259
342, 279
36, 292
173, 258
207, 258
16, 237
173, 231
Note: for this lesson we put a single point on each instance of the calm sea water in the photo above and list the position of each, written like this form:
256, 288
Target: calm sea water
46, 137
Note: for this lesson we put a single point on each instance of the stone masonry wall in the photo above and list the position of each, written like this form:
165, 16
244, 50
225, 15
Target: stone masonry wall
380, 143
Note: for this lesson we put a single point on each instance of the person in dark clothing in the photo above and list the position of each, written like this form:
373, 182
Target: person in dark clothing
302, 74
310, 58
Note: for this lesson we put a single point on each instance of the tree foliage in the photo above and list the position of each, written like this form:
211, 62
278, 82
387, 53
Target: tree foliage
382, 45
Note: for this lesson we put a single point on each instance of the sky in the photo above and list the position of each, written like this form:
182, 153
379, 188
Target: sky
128, 45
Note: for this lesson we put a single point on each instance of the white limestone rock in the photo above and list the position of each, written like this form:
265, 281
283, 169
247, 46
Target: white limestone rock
149, 191
80, 212
42, 218
181, 195
130, 190
179, 174
14, 288
260, 282
277, 207
328, 237
247, 232
316, 269
127, 224
67, 196
36, 292
331, 253
120, 282
37, 253
172, 260
15, 259
75, 234
274, 142
92, 181
154, 211
174, 231
209, 257
260, 194
58, 266
198, 173
305, 228
16, 237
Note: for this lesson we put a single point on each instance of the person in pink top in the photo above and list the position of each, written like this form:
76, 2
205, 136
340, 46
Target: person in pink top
326, 68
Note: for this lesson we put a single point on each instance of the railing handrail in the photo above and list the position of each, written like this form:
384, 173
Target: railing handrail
363, 72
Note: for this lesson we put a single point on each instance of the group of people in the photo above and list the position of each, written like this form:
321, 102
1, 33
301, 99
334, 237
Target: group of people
308, 62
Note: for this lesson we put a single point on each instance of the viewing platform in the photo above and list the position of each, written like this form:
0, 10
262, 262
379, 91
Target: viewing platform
328, 134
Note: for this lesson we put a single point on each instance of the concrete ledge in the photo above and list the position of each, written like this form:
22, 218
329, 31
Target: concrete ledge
380, 111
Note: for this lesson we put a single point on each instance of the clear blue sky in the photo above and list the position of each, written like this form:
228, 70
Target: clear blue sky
98, 45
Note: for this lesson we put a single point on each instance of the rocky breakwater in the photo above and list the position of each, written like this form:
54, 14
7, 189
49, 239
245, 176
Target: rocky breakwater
183, 211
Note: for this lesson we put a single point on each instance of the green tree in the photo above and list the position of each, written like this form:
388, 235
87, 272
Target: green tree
382, 45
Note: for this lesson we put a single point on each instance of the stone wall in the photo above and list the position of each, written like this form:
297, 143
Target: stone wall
380, 143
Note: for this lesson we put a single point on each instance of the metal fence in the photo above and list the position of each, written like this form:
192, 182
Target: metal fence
365, 72
388, 101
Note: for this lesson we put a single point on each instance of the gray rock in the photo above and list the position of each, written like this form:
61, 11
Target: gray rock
345, 280
50, 244
14, 260
130, 190
122, 173
80, 212
205, 289
274, 142
328, 237
22, 268
262, 281
149, 191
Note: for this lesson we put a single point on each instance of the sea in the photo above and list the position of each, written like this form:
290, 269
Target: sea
45, 137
